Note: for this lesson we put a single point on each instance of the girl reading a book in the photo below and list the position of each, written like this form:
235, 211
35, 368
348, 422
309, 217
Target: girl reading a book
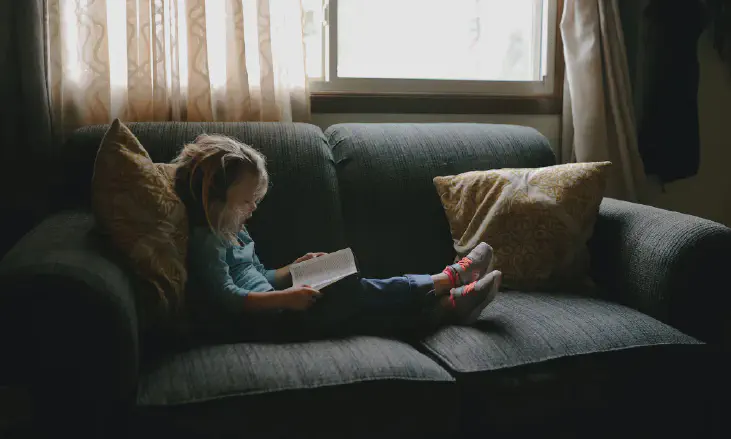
221, 181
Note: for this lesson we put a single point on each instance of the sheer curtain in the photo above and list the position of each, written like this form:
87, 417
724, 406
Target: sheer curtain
191, 60
598, 114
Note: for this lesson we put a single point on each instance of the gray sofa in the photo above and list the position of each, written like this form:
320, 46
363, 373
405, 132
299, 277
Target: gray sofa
640, 357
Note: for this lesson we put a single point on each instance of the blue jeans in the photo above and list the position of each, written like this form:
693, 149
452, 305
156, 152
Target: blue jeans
371, 306
381, 295
384, 307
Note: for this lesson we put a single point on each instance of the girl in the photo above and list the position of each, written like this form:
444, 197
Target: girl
221, 181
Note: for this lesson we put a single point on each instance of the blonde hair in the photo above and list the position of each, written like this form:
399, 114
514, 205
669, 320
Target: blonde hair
206, 169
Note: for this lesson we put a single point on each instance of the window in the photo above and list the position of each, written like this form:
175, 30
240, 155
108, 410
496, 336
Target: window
476, 47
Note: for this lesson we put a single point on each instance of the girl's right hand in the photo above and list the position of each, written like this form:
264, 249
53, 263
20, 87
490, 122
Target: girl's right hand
299, 298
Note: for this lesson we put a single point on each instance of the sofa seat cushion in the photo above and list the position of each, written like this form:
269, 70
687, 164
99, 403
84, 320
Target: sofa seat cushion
354, 386
533, 357
524, 328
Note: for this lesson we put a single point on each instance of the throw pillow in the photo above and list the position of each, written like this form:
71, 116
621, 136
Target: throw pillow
134, 201
537, 220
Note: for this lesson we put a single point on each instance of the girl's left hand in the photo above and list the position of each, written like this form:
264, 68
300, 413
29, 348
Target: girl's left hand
309, 256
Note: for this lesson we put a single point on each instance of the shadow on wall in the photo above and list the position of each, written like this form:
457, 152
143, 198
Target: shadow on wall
708, 194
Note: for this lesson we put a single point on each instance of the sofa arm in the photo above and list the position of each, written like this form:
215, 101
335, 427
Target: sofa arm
69, 311
671, 266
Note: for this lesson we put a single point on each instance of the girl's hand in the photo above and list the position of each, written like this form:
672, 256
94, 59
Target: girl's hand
309, 256
299, 298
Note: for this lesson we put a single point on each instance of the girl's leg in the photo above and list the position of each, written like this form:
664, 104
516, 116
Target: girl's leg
394, 306
472, 267
464, 304
411, 290
373, 306
413, 302
408, 301
396, 293
431, 293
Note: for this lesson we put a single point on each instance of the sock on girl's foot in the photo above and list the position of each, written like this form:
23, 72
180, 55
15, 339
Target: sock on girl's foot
469, 301
472, 267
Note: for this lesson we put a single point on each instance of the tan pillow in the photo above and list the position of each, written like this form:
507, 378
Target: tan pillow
134, 201
537, 220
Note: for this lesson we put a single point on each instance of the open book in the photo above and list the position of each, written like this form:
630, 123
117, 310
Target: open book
325, 270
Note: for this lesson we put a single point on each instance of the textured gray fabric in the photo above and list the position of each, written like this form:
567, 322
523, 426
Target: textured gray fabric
239, 370
355, 387
666, 264
69, 276
660, 262
395, 222
519, 329
301, 212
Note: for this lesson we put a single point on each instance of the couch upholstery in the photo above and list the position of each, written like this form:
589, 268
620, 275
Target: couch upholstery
301, 170
548, 362
346, 384
666, 264
385, 176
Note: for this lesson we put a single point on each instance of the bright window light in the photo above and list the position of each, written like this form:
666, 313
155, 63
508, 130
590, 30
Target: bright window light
478, 41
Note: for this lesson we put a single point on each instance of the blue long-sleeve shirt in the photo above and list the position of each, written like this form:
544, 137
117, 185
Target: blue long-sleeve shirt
223, 268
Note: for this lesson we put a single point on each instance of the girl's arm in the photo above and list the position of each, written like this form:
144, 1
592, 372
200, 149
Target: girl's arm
282, 277
255, 301
294, 298
207, 257
207, 265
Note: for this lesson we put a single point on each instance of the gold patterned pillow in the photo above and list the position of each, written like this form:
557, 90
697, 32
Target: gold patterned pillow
134, 201
537, 220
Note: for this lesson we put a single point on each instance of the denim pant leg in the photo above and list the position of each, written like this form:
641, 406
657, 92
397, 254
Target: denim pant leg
396, 293
372, 306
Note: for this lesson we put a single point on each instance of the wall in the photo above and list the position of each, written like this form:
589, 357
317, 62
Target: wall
708, 194
548, 125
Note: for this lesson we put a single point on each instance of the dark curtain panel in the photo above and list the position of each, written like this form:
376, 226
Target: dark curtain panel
26, 148
720, 13
667, 87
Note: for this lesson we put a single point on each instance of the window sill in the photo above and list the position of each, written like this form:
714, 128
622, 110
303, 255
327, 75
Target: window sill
335, 102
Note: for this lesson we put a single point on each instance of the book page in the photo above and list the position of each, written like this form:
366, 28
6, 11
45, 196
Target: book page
325, 270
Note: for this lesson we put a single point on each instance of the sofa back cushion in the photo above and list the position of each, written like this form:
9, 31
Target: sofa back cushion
394, 220
300, 213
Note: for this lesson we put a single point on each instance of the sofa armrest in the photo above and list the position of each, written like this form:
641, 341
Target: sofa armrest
669, 265
69, 311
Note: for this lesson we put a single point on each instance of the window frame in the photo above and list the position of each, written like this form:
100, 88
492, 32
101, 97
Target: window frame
366, 95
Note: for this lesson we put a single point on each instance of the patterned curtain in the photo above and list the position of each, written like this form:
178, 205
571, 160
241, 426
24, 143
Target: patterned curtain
190, 60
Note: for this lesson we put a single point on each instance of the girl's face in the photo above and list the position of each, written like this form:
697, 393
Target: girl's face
242, 199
